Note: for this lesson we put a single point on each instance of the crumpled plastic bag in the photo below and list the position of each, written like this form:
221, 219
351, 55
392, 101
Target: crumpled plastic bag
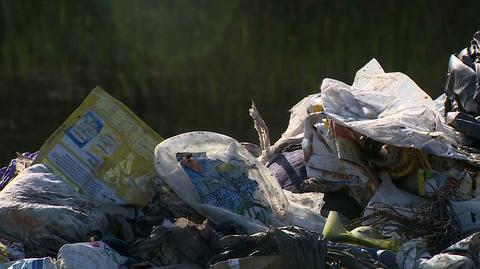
92, 255
392, 109
42, 212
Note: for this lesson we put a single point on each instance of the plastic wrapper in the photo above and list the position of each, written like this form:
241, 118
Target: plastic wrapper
104, 150
332, 156
41, 211
285, 158
221, 180
375, 106
92, 255
34, 263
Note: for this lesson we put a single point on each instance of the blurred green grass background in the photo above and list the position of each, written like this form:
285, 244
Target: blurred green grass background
196, 65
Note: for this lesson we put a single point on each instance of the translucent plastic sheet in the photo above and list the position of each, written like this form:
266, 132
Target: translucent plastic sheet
220, 179
392, 109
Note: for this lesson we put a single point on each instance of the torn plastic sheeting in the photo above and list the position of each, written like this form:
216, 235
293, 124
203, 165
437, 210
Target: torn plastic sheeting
263, 133
376, 106
44, 213
294, 132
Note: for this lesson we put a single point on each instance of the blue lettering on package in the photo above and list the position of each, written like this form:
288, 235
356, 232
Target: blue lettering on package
85, 129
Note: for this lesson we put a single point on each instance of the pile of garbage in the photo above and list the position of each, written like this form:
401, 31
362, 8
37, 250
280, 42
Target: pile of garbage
375, 174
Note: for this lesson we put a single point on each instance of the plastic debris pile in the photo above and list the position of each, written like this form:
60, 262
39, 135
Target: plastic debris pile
376, 174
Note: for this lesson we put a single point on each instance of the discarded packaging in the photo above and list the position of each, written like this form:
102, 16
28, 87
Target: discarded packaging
220, 179
33, 263
104, 151
375, 106
333, 158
